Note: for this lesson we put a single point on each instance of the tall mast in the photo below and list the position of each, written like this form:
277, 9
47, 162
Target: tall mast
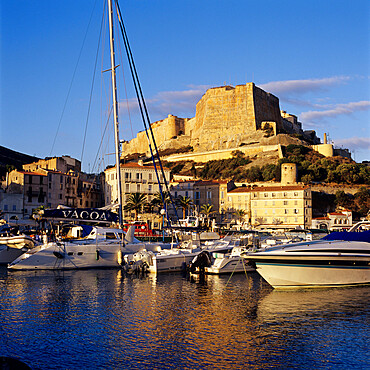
115, 111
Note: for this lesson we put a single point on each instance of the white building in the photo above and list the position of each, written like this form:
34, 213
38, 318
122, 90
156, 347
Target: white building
135, 178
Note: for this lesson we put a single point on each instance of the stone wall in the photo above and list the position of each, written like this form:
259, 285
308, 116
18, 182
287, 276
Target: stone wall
226, 118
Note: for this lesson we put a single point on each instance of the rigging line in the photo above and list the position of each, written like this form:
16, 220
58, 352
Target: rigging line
101, 141
92, 88
73, 77
124, 84
145, 123
136, 78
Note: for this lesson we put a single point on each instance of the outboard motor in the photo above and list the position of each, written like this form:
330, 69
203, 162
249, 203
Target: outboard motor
200, 261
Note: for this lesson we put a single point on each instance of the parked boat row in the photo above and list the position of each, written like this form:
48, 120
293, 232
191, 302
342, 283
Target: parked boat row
340, 258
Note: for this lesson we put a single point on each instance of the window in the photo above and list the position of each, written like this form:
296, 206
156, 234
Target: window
239, 198
186, 193
286, 211
138, 188
265, 195
150, 188
49, 185
61, 179
296, 194
222, 194
5, 207
137, 176
296, 211
285, 202
60, 196
273, 195
150, 177
197, 195
127, 188
265, 202
209, 195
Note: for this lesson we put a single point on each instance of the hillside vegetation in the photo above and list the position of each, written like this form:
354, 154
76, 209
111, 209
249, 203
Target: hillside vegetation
312, 167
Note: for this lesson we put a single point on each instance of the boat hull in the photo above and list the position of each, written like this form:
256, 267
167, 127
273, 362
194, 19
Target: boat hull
70, 257
171, 263
228, 266
9, 254
280, 275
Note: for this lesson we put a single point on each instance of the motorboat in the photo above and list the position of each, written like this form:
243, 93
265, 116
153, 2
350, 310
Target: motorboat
13, 244
177, 258
228, 263
340, 258
103, 247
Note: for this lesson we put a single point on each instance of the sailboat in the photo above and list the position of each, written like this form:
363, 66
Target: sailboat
103, 247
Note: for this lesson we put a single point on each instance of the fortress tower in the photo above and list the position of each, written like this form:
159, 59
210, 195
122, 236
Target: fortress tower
288, 173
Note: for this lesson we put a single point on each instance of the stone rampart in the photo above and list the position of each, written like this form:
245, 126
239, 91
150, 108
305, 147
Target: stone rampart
201, 157
226, 118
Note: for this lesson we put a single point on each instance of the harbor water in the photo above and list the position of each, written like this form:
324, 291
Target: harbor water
102, 319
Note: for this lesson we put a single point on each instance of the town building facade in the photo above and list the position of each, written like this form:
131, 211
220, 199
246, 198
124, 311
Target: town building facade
135, 178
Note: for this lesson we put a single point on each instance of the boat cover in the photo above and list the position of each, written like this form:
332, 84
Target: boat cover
363, 236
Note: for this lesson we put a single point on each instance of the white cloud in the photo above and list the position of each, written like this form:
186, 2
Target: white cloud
356, 143
336, 110
286, 88
181, 103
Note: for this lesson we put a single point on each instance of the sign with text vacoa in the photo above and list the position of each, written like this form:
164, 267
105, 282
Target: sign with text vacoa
82, 214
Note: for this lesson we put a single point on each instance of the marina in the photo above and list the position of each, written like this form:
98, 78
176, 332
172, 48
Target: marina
104, 319
225, 235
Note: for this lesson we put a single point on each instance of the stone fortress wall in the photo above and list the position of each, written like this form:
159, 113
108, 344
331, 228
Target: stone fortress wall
227, 118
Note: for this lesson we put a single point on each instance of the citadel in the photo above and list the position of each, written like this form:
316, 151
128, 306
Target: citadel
243, 117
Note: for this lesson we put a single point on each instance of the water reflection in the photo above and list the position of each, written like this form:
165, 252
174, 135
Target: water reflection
72, 319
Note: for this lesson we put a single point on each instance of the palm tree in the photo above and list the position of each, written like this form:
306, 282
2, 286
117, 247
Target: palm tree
185, 203
240, 214
206, 209
157, 200
135, 202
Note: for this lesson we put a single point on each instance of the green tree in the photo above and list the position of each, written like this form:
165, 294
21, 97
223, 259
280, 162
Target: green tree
157, 201
185, 203
240, 214
362, 201
135, 202
207, 210
342, 199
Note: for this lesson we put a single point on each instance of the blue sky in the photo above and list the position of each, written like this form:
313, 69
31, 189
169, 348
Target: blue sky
313, 55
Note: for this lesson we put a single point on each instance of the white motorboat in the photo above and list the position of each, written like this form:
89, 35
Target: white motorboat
177, 258
13, 245
227, 263
340, 258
